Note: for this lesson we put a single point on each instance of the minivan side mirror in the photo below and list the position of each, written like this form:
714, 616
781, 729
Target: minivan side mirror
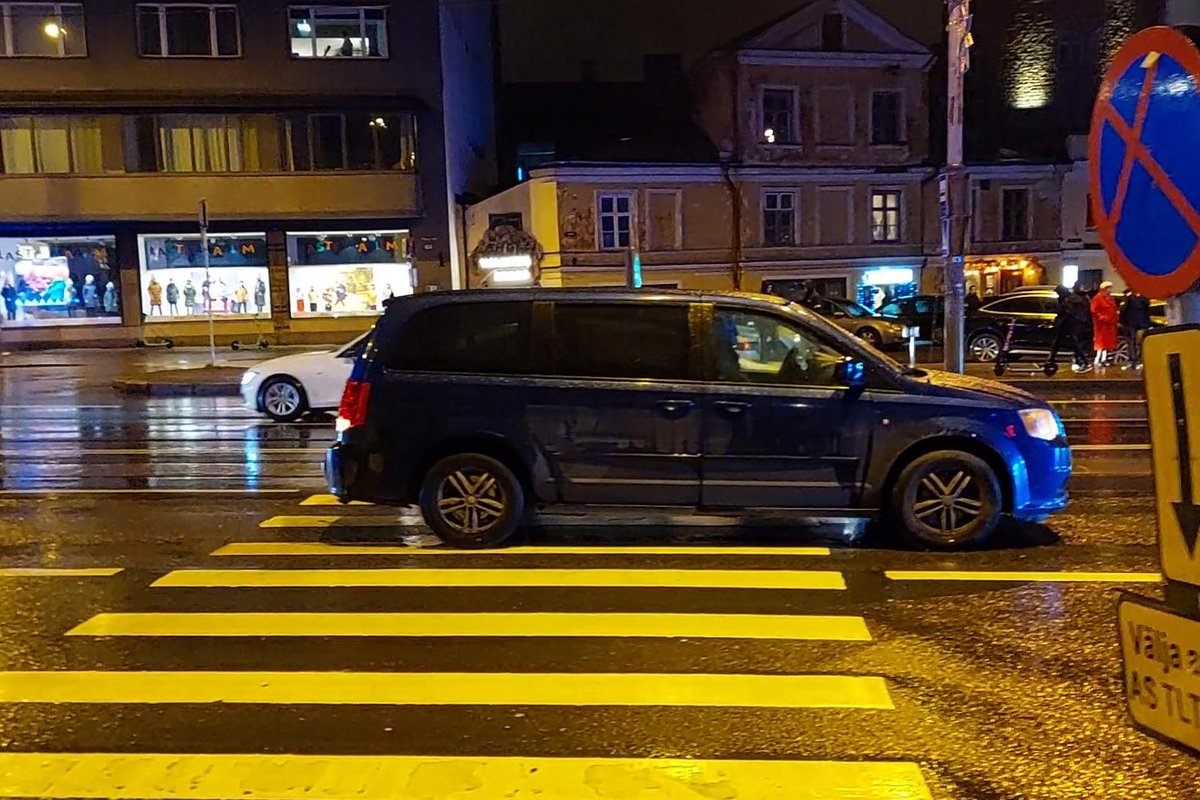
851, 372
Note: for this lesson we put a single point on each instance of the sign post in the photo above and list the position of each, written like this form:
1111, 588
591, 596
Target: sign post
1145, 191
208, 299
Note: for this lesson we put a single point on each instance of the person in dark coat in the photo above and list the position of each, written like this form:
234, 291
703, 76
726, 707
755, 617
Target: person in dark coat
1135, 319
1067, 331
1079, 326
9, 293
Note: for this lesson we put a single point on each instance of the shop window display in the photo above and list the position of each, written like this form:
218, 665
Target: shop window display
173, 281
54, 281
334, 274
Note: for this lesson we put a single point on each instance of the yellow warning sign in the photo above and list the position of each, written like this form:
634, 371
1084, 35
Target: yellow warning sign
1172, 359
1160, 651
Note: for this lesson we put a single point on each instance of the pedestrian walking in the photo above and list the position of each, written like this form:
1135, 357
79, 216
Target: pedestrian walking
1135, 318
1069, 333
1105, 318
1078, 308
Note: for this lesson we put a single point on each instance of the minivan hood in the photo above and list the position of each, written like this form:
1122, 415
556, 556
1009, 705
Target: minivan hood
969, 386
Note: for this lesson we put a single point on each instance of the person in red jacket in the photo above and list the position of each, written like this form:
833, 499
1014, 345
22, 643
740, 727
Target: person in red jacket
1104, 324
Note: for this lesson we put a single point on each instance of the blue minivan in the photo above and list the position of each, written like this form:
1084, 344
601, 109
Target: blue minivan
480, 406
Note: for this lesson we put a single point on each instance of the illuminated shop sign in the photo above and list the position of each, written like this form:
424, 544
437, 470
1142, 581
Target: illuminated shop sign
349, 248
186, 251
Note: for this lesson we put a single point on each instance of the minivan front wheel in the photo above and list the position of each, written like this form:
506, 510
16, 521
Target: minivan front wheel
947, 500
471, 501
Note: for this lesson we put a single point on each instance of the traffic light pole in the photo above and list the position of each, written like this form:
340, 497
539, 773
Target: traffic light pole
952, 186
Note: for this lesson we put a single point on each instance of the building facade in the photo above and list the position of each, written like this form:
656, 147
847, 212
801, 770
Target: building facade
821, 171
329, 142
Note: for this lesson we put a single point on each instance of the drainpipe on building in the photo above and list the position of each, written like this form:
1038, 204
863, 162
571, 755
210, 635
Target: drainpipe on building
735, 239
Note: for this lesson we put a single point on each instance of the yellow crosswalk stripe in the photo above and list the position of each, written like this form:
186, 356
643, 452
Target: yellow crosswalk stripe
1016, 577
487, 624
123, 776
329, 500
327, 549
448, 688
354, 521
59, 572
509, 578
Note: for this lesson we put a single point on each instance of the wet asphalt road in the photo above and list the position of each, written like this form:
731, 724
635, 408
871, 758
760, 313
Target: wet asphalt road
179, 602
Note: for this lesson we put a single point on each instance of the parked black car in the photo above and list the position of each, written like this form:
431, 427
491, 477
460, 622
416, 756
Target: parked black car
1033, 310
479, 405
925, 311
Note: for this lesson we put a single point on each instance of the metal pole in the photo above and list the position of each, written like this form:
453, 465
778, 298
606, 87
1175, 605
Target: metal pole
208, 302
952, 187
1184, 308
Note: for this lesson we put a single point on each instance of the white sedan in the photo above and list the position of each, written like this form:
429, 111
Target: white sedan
288, 387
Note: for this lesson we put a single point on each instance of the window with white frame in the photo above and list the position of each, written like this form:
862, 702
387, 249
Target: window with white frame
779, 218
887, 117
51, 144
779, 116
614, 216
43, 30
338, 31
1014, 210
885, 215
188, 30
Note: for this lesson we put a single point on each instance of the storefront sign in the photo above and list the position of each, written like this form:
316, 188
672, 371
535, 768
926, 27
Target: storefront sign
223, 251
385, 247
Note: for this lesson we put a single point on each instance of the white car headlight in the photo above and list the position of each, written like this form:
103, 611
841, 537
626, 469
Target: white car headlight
1041, 423
248, 377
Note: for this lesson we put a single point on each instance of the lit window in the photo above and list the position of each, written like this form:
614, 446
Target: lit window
885, 216
48, 145
779, 218
616, 221
338, 32
206, 143
43, 30
189, 30
779, 116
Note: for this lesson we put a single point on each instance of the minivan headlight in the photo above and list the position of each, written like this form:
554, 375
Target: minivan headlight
1041, 423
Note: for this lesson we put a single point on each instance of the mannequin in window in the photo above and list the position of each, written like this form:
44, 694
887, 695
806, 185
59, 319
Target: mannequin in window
91, 296
260, 294
173, 298
155, 290
112, 303
347, 49
189, 298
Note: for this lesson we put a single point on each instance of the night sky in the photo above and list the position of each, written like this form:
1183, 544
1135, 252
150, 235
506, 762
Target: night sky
544, 40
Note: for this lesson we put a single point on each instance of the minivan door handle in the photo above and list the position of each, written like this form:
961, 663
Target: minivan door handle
675, 408
731, 407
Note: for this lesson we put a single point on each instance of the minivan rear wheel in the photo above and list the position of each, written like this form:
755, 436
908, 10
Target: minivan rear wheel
472, 501
947, 500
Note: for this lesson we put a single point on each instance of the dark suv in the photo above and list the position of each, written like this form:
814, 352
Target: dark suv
481, 405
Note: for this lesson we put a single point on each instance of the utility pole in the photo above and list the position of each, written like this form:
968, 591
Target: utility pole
952, 184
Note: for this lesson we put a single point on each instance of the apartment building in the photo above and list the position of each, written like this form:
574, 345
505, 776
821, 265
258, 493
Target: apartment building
329, 141
819, 170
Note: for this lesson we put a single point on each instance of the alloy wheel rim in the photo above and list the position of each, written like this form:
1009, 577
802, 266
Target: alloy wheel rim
471, 501
281, 399
986, 348
948, 502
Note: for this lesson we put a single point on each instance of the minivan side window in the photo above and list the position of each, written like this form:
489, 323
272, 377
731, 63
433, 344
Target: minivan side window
621, 340
757, 348
485, 338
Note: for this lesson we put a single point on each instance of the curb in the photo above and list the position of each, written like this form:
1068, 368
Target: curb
152, 389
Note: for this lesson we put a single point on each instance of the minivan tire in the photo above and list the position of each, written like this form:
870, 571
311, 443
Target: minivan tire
947, 500
472, 501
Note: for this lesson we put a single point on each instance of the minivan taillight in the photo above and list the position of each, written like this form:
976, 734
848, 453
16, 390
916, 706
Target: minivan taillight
353, 410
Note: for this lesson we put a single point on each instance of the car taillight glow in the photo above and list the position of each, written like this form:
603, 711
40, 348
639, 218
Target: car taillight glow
353, 409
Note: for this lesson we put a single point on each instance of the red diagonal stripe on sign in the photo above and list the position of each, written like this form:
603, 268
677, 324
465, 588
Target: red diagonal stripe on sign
1135, 149
1139, 122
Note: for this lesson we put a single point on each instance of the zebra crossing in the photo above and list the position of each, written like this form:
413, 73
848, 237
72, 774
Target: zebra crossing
250, 594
